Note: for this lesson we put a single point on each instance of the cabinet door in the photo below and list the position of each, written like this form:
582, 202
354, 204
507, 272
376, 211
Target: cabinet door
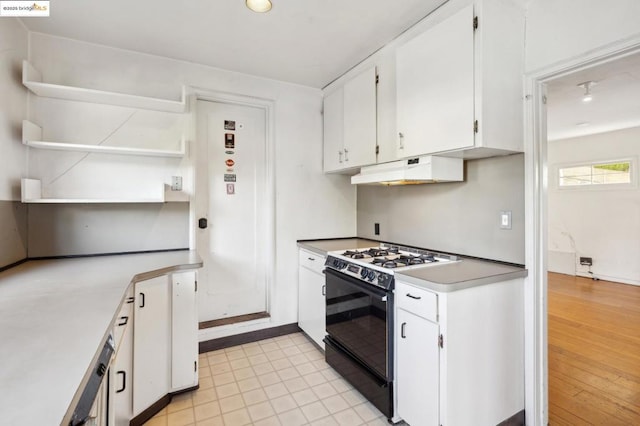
151, 343
122, 380
311, 304
333, 121
360, 119
184, 331
417, 371
435, 88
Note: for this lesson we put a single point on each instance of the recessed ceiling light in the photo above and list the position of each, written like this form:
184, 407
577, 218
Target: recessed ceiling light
587, 85
259, 6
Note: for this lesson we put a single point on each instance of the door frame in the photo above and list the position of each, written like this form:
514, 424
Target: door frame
536, 187
195, 94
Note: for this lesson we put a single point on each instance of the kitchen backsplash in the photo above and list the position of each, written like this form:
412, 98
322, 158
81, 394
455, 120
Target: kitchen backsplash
457, 217
76, 229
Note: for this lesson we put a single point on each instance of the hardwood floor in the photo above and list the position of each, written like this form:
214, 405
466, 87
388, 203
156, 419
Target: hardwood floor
594, 352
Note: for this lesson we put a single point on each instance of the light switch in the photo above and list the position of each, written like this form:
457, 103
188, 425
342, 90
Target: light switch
176, 183
505, 219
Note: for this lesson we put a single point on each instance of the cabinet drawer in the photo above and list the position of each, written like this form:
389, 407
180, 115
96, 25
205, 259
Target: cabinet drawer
124, 318
311, 260
416, 300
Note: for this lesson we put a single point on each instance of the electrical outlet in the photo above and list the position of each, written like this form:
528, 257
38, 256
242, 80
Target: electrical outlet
376, 228
176, 183
586, 261
505, 219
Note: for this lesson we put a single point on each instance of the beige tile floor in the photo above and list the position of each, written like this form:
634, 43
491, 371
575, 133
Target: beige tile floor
280, 381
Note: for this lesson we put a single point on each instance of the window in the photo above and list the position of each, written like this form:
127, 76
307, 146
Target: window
605, 173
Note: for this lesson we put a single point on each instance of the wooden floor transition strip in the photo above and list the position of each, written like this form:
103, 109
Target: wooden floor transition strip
233, 320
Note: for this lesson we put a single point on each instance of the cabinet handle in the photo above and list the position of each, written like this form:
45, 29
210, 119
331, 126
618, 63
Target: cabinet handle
311, 259
346, 157
404, 336
340, 156
142, 300
401, 139
124, 381
324, 290
413, 297
124, 321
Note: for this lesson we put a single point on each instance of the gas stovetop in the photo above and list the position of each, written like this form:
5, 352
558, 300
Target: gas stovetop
376, 265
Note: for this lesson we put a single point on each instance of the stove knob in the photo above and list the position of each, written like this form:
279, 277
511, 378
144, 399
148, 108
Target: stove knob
364, 272
371, 275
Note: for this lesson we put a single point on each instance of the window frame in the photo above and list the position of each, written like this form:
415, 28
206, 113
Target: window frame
633, 175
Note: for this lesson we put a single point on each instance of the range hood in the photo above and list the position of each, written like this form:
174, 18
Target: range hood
425, 169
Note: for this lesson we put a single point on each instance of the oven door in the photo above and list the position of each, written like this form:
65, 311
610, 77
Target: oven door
359, 317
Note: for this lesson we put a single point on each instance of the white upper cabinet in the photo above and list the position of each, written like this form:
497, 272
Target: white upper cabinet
350, 124
459, 84
334, 130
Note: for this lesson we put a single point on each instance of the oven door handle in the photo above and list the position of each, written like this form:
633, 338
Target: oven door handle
372, 290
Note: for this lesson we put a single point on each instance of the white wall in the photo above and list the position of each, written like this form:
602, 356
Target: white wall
602, 223
308, 203
561, 30
13, 108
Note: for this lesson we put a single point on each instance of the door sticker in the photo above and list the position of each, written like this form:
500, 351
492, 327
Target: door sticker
229, 162
229, 152
231, 188
229, 177
229, 125
229, 141
229, 170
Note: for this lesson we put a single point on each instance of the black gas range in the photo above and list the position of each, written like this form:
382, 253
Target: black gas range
359, 315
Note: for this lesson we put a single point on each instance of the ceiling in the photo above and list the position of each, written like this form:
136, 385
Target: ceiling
309, 42
615, 104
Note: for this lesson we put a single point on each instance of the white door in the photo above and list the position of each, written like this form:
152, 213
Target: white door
231, 194
333, 122
151, 343
418, 368
435, 88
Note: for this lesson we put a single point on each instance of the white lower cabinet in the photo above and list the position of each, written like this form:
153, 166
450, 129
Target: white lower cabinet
151, 343
156, 335
184, 331
459, 354
311, 295
418, 371
121, 377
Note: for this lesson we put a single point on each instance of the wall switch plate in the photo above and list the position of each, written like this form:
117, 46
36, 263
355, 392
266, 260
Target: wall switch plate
505, 219
176, 183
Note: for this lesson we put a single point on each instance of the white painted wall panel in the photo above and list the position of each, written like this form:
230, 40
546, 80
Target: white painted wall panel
13, 106
600, 223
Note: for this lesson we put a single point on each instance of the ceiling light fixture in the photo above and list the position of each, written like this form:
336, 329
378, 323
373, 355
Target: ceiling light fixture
259, 6
587, 85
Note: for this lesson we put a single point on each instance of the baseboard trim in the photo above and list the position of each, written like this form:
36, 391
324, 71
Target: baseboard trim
517, 419
13, 265
252, 336
232, 320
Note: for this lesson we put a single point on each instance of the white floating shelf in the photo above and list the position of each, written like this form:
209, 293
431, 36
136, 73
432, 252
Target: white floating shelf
32, 135
32, 78
32, 193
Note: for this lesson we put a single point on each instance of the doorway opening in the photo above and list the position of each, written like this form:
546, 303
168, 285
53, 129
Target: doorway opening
234, 208
545, 395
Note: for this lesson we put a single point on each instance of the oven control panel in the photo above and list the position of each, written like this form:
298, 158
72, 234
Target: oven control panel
362, 273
